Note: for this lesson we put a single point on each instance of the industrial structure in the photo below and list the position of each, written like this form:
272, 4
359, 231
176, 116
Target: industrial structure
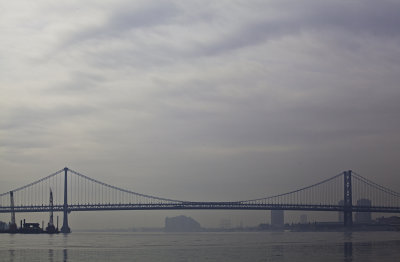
30, 228
50, 226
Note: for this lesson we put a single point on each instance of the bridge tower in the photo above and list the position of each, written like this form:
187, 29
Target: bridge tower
65, 228
348, 200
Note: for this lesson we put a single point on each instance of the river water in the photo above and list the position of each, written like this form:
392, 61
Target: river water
231, 246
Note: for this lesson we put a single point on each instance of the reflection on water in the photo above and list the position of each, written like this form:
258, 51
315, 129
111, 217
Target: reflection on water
51, 255
277, 252
36, 255
348, 251
348, 246
11, 255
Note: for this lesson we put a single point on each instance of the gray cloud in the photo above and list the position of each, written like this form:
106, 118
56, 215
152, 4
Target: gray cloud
160, 44
125, 18
28, 116
78, 83
359, 17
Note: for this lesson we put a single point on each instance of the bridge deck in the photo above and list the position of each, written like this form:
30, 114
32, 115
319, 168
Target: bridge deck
198, 206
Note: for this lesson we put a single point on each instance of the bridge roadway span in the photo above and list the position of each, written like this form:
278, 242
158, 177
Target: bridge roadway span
198, 206
346, 192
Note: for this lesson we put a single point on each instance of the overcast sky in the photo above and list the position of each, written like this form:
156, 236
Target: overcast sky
200, 100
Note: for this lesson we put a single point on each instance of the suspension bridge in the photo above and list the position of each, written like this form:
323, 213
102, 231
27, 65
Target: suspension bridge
73, 191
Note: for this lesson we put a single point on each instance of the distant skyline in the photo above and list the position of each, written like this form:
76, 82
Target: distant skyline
199, 100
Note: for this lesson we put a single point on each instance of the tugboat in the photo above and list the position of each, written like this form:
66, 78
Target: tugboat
30, 228
34, 228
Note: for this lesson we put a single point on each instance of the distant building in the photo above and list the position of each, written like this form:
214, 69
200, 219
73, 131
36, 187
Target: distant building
277, 218
181, 224
303, 219
363, 217
3, 226
340, 214
225, 223
393, 220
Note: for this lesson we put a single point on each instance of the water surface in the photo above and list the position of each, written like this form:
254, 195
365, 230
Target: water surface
253, 246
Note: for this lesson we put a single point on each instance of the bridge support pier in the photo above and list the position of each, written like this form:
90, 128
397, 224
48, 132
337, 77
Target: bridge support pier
65, 228
348, 200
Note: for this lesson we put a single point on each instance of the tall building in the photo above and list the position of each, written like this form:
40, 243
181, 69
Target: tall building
277, 218
363, 217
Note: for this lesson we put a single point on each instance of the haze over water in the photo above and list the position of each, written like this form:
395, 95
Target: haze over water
254, 246
199, 100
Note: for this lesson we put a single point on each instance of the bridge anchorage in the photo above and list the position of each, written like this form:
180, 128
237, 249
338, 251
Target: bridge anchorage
346, 193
